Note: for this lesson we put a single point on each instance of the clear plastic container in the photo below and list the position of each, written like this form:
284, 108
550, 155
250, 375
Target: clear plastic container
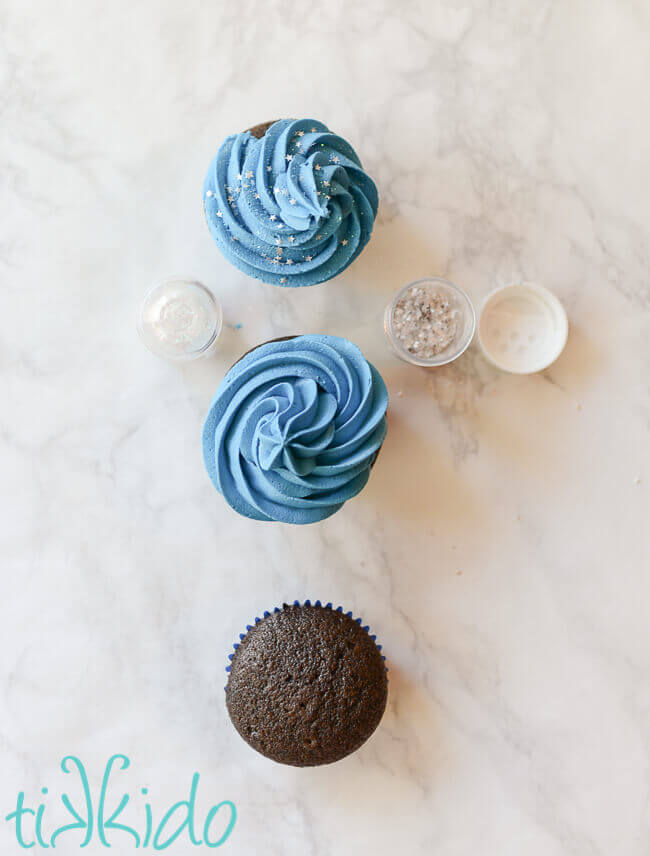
180, 319
462, 313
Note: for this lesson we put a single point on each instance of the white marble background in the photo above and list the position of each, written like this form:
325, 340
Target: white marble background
501, 548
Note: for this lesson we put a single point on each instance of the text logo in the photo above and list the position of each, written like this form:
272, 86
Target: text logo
98, 818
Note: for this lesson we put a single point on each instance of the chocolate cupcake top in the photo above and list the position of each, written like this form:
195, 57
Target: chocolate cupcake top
307, 685
294, 428
293, 207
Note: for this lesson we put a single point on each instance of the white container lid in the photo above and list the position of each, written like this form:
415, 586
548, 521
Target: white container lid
522, 328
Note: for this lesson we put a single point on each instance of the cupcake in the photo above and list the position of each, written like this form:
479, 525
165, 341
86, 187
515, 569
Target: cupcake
294, 428
289, 203
307, 684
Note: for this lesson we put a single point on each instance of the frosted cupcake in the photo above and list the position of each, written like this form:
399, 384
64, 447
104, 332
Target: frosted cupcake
289, 203
294, 428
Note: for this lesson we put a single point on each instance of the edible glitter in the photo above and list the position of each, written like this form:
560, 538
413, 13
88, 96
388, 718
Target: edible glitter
424, 321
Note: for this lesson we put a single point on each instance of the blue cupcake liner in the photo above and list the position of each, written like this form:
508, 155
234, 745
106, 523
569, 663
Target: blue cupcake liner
267, 614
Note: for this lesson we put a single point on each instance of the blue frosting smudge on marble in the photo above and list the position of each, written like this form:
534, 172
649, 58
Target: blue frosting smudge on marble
292, 208
294, 427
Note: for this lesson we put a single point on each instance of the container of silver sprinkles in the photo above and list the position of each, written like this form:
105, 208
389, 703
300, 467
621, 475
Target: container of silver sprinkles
430, 322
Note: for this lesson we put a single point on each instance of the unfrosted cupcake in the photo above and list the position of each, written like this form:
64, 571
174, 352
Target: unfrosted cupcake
294, 428
307, 684
289, 203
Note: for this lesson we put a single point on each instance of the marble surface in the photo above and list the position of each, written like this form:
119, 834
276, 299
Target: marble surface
500, 550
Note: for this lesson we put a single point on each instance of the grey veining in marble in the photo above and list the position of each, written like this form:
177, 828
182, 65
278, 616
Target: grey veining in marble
500, 550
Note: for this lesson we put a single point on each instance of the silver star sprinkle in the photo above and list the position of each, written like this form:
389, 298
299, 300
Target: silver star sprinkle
283, 279
249, 174
313, 130
301, 133
317, 167
308, 258
289, 261
209, 193
289, 157
344, 241
219, 214
257, 196
335, 159
291, 238
273, 217
292, 201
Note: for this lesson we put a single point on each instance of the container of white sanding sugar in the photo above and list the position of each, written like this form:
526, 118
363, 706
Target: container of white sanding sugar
180, 319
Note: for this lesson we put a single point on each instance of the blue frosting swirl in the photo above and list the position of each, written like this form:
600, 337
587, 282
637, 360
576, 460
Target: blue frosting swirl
292, 208
294, 428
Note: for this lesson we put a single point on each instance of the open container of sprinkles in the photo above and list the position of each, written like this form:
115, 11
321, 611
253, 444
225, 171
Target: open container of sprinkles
430, 322
180, 319
522, 328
